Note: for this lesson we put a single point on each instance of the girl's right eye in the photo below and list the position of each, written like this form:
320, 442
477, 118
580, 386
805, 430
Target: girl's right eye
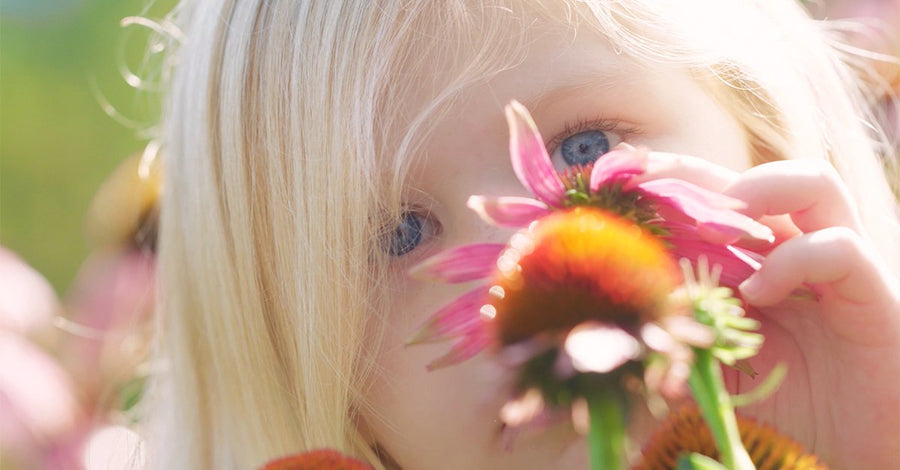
413, 229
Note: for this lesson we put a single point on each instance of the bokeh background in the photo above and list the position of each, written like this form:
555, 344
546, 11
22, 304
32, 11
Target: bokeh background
68, 116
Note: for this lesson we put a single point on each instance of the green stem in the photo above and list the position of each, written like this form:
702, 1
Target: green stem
606, 437
709, 390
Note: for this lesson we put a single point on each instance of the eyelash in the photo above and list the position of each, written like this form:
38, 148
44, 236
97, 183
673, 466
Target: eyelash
598, 124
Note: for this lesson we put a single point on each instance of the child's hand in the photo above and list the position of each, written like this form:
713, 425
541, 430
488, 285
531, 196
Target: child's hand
841, 397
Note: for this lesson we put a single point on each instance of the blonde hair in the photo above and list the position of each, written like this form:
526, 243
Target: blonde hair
287, 141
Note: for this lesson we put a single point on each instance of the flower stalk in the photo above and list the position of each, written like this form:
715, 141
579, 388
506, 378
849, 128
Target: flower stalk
606, 436
709, 391
717, 308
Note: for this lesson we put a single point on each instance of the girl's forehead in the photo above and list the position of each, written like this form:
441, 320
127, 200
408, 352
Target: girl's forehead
557, 79
565, 81
550, 65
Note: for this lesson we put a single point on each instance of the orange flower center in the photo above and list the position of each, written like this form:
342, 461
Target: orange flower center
579, 265
685, 431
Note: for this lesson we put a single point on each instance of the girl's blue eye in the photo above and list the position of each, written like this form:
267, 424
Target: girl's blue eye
409, 233
584, 148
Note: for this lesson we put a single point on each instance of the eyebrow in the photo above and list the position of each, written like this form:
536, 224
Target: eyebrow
605, 79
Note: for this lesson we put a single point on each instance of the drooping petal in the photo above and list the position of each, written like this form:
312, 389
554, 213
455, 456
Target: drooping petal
28, 303
688, 331
461, 317
737, 264
714, 213
38, 399
600, 347
461, 264
516, 212
114, 446
744, 257
523, 409
462, 350
529, 157
622, 162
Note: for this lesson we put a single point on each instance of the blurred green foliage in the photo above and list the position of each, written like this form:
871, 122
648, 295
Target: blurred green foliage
60, 61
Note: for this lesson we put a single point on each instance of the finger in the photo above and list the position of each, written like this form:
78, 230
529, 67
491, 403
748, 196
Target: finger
812, 194
694, 170
836, 256
714, 177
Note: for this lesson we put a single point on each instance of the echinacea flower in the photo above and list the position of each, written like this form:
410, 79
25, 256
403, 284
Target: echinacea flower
322, 459
686, 432
578, 301
595, 284
684, 216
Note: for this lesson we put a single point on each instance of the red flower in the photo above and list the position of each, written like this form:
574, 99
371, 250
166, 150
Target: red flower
322, 459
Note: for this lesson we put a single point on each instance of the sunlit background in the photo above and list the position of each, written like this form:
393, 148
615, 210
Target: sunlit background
67, 116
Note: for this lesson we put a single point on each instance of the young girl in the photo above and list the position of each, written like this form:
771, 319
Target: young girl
314, 151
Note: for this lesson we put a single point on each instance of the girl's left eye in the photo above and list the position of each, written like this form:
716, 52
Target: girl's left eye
413, 229
583, 148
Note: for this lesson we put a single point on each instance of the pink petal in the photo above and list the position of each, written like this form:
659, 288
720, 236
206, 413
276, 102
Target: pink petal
516, 212
714, 213
27, 301
622, 162
737, 264
657, 338
462, 350
113, 295
114, 446
461, 264
38, 402
529, 157
523, 409
688, 331
460, 317
114, 290
601, 348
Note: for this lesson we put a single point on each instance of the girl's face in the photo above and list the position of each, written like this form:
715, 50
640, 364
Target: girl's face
585, 99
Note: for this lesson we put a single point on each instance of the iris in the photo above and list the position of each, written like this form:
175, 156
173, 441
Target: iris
584, 148
407, 235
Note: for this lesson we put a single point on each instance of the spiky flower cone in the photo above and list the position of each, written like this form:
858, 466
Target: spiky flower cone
580, 265
686, 432
575, 297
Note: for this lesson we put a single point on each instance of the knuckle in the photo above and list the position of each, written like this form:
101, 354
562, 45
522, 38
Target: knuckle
840, 242
825, 174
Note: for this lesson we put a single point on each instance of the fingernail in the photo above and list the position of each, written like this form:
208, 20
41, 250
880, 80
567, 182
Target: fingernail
752, 286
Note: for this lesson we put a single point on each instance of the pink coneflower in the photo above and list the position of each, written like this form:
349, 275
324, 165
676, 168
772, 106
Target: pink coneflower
685, 217
579, 301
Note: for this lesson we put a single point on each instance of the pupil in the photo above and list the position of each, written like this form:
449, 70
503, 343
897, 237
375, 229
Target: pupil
406, 236
584, 148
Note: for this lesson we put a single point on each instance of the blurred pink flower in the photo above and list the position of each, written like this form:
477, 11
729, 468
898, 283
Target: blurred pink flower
107, 321
54, 395
28, 304
40, 416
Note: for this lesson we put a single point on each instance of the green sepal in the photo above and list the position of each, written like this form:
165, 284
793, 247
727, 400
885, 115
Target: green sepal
695, 461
